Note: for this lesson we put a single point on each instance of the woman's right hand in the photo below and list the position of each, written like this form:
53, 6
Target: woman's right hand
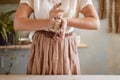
63, 27
55, 13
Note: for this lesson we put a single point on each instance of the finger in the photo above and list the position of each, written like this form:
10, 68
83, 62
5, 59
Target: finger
64, 24
56, 6
59, 11
62, 35
58, 38
63, 28
58, 16
54, 38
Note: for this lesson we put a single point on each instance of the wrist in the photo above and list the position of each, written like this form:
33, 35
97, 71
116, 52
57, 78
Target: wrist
50, 24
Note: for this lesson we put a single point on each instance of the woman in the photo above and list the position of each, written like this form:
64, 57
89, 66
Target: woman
51, 53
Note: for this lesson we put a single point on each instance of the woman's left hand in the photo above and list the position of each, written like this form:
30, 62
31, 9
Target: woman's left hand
62, 30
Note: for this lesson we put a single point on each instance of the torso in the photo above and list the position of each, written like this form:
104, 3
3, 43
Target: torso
42, 8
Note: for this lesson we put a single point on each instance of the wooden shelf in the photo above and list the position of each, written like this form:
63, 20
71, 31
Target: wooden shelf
16, 46
82, 45
28, 46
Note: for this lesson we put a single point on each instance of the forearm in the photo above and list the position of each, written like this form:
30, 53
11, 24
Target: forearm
26, 24
84, 23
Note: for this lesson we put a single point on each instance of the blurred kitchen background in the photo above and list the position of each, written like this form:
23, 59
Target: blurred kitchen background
100, 57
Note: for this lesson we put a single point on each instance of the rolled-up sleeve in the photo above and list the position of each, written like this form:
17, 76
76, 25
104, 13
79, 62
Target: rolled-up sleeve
84, 3
28, 2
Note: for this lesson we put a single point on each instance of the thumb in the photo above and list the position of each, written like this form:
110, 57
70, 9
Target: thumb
64, 24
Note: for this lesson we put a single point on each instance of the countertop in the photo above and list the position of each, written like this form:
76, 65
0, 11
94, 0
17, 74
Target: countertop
35, 77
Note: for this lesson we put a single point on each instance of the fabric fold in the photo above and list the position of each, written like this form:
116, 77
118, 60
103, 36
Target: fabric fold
53, 57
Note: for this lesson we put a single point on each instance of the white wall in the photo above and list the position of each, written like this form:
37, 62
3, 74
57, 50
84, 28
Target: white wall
103, 53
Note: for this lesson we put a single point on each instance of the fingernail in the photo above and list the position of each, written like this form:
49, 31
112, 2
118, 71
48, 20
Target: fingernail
60, 3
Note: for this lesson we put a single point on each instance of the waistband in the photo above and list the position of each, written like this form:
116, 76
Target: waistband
51, 34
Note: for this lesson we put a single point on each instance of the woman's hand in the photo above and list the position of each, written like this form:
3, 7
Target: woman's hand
62, 30
55, 13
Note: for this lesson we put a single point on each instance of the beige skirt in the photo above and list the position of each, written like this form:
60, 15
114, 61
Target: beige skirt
53, 57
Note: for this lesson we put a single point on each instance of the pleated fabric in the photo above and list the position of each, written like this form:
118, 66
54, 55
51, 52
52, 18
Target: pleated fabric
53, 57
